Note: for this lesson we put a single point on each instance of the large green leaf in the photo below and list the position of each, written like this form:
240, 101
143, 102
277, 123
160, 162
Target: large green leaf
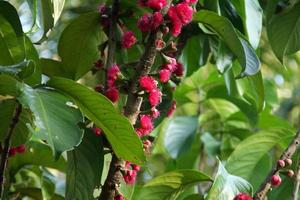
179, 134
55, 119
53, 68
195, 53
239, 46
21, 134
47, 185
284, 32
85, 164
12, 51
169, 185
251, 14
44, 16
38, 154
248, 154
35, 193
121, 135
9, 86
32, 55
227, 186
11, 15
78, 45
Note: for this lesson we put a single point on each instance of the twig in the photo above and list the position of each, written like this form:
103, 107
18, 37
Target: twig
112, 38
6, 147
297, 182
287, 154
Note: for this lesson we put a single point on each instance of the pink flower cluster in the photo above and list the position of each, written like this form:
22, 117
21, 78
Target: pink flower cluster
19, 149
180, 15
169, 68
153, 4
112, 91
128, 40
243, 196
130, 173
150, 22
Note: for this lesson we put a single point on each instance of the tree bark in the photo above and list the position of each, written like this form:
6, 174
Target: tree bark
6, 147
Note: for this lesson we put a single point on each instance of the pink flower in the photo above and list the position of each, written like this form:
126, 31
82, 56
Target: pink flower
148, 83
155, 97
242, 196
171, 109
128, 39
149, 22
180, 15
157, 4
190, 1
142, 3
157, 20
147, 145
136, 167
145, 23
164, 75
113, 94
155, 113
141, 132
179, 69
12, 151
112, 72
101, 8
130, 177
97, 131
21, 148
119, 197
146, 122
184, 12
159, 43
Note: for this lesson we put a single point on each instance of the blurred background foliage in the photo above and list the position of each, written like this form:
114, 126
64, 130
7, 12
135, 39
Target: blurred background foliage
213, 125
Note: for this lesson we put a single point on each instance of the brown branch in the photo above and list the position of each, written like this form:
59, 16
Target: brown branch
112, 37
295, 193
132, 108
287, 154
6, 147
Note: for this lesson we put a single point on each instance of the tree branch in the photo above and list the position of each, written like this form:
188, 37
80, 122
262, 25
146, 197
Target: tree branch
6, 147
287, 154
297, 182
112, 38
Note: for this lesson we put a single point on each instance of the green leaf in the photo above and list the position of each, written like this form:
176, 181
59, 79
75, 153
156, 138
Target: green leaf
224, 58
11, 15
247, 156
125, 142
35, 193
12, 51
53, 68
194, 197
283, 32
9, 86
54, 117
15, 69
35, 150
239, 46
78, 45
44, 16
179, 134
194, 53
251, 14
227, 186
248, 108
85, 164
169, 185
47, 185
21, 134
32, 54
